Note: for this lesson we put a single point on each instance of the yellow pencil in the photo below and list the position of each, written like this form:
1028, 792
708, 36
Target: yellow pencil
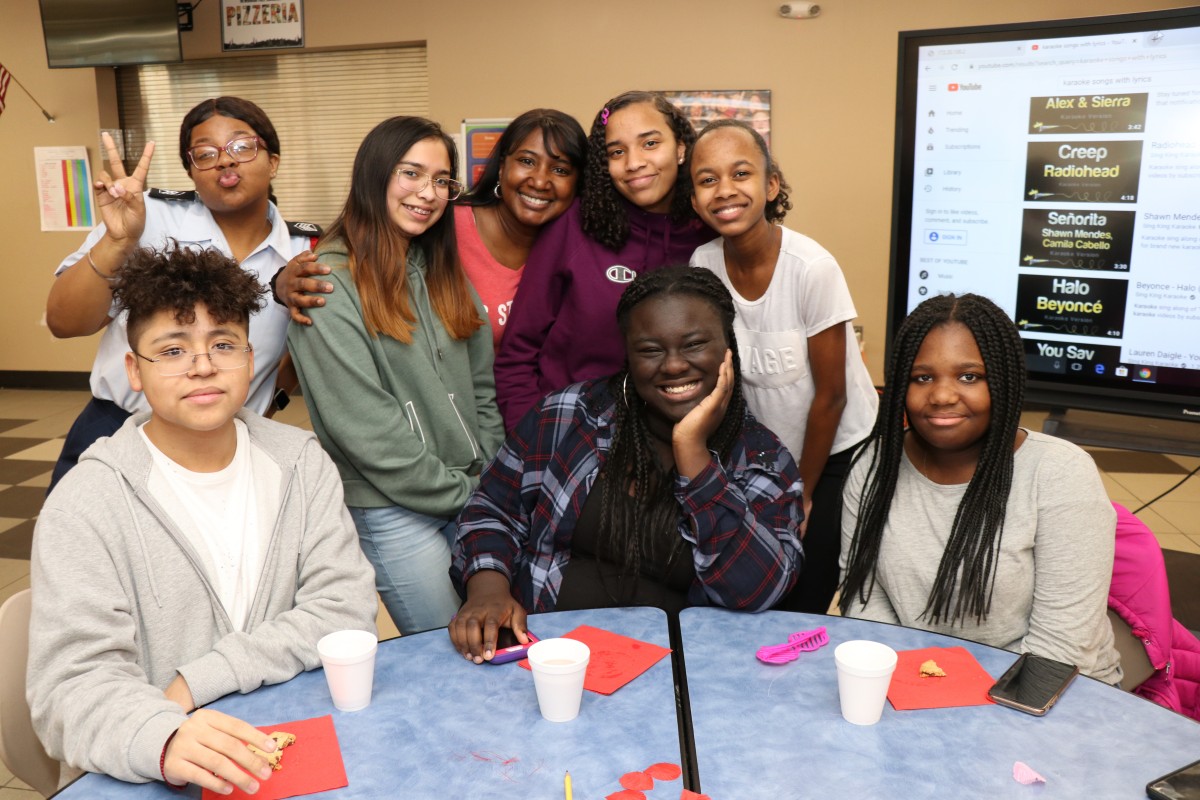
567, 784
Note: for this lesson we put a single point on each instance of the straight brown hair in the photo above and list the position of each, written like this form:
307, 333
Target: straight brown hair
378, 251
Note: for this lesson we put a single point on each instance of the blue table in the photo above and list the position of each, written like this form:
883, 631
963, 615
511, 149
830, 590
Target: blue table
765, 731
440, 726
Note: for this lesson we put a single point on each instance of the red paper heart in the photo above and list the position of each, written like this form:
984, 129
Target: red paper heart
637, 780
664, 771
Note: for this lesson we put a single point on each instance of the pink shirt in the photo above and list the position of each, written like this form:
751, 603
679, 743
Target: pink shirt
495, 283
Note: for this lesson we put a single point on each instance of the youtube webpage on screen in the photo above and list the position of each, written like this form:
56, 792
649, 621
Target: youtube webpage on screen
1061, 178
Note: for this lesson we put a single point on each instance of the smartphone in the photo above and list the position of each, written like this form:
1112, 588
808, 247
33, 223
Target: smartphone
508, 648
1182, 784
1033, 684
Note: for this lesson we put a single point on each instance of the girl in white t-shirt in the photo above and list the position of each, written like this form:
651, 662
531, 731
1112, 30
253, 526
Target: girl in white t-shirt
804, 377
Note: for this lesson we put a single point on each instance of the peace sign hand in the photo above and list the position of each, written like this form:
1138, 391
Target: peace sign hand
119, 196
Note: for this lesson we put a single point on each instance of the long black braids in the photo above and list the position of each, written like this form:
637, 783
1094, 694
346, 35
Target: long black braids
978, 524
638, 503
604, 215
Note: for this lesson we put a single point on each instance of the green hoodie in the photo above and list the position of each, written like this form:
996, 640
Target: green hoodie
408, 425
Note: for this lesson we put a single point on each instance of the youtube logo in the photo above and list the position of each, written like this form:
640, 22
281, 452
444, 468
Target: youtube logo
952, 87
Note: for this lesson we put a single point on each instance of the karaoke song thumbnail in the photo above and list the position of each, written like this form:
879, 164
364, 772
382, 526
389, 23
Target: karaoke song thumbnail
1098, 113
1082, 172
1075, 306
1077, 239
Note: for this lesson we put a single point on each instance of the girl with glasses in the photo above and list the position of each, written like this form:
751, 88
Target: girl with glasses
397, 369
231, 152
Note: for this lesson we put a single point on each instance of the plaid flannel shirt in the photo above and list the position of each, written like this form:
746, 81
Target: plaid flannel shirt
741, 517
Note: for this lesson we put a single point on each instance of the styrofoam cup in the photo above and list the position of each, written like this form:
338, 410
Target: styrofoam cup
864, 671
559, 667
349, 661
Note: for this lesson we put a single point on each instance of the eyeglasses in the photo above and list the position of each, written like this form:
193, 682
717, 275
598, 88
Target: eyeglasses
412, 180
176, 361
206, 156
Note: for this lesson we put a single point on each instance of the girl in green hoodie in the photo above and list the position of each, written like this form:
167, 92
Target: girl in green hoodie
397, 372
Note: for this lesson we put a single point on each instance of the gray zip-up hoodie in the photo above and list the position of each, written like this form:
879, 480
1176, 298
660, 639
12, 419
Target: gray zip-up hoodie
121, 602
408, 425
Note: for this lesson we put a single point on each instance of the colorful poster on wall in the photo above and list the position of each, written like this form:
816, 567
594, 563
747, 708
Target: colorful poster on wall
479, 137
257, 25
64, 180
704, 106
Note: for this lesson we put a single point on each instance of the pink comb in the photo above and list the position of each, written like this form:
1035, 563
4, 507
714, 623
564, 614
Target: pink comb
801, 641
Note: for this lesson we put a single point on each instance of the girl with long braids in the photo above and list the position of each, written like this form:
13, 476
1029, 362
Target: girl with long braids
654, 486
632, 216
804, 376
964, 523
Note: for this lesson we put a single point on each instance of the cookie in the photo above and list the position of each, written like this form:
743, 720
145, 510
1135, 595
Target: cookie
930, 669
282, 740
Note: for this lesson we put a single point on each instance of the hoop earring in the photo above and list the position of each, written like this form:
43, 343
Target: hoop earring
624, 391
496, 191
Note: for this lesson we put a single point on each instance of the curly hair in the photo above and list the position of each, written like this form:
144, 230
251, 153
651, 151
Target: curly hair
652, 513
978, 524
561, 134
605, 217
776, 209
177, 279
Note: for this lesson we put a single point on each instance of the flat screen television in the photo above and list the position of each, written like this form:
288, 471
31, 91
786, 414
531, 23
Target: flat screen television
87, 33
1055, 168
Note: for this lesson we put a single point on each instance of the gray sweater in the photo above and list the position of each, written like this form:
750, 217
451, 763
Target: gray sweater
1055, 560
121, 602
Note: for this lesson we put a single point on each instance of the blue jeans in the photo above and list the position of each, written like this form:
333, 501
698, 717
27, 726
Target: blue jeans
411, 555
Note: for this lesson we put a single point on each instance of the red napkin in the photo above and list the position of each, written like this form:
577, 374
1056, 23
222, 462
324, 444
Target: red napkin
312, 764
966, 683
615, 659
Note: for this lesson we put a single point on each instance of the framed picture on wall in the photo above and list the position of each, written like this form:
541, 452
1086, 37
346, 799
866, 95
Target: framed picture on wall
255, 25
706, 105
479, 138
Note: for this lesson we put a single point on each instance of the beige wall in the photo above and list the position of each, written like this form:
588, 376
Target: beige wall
832, 81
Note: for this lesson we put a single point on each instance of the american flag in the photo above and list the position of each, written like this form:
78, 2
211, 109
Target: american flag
5, 77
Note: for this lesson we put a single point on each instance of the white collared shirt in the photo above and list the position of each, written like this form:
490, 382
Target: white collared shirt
191, 223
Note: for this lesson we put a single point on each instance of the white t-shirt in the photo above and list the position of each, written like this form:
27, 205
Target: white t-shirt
227, 516
807, 294
189, 222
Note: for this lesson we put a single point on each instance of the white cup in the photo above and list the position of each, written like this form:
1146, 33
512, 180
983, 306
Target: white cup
349, 660
864, 671
559, 667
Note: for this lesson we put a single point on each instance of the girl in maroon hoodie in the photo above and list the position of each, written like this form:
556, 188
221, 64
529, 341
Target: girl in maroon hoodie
632, 217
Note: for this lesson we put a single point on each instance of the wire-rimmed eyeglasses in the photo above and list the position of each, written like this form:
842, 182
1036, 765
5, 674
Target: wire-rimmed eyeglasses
241, 150
176, 361
413, 180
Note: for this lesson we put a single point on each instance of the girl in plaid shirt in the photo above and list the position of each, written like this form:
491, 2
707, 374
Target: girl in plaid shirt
653, 487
